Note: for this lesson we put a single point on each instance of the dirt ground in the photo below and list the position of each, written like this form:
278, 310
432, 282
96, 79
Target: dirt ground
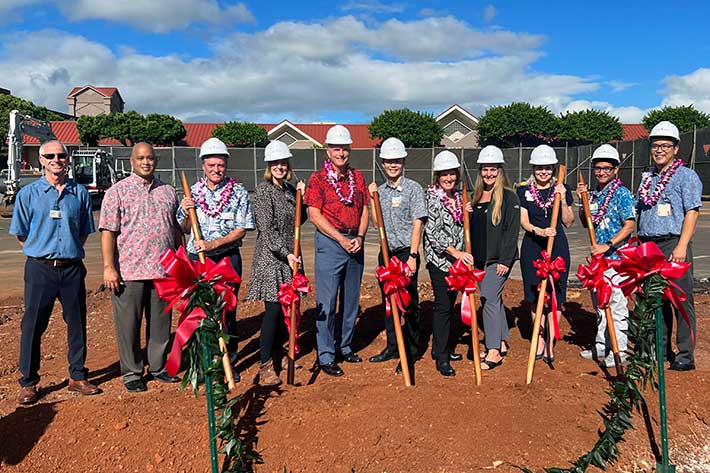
366, 421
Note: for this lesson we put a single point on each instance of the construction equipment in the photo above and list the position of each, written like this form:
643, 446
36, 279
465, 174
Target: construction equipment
96, 170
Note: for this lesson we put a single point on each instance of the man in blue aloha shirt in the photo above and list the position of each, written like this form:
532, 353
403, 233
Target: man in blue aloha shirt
613, 210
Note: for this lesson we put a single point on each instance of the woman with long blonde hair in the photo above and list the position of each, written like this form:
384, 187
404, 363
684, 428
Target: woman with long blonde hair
495, 222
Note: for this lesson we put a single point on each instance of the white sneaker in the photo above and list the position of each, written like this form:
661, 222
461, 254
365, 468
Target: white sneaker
589, 355
609, 361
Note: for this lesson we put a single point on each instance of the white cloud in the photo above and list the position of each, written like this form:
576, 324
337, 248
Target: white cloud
619, 86
9, 9
157, 15
489, 13
690, 89
299, 70
373, 6
624, 114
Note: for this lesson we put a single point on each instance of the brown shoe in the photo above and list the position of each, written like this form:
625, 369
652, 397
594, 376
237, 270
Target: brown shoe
267, 376
83, 387
28, 395
284, 364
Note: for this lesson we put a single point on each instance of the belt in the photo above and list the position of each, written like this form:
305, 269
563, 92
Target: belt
348, 231
659, 238
57, 263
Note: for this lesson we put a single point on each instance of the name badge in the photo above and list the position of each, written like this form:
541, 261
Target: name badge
55, 213
396, 201
594, 207
227, 216
664, 210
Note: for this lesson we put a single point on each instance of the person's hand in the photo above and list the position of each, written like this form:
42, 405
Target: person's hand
581, 189
187, 204
469, 207
561, 189
301, 186
548, 232
502, 270
112, 280
356, 244
466, 257
411, 265
293, 261
679, 253
345, 243
599, 249
372, 188
204, 245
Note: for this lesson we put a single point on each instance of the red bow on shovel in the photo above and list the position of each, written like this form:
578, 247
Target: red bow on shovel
463, 279
395, 281
637, 263
290, 293
550, 270
592, 278
184, 276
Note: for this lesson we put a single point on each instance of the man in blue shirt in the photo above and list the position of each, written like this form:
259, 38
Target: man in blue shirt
668, 207
613, 211
51, 220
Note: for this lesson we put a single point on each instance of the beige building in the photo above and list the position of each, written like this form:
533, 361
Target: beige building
90, 100
459, 127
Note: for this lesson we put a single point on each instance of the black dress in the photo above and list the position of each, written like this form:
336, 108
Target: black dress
533, 245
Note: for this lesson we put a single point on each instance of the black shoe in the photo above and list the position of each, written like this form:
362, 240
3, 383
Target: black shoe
164, 377
384, 355
136, 386
236, 375
455, 356
682, 366
332, 369
351, 357
444, 367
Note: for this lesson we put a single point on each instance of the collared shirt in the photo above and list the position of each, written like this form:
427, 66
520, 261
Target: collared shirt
47, 236
622, 207
236, 213
143, 215
683, 193
401, 205
440, 232
321, 195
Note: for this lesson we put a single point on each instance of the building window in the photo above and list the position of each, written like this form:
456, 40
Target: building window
288, 139
457, 128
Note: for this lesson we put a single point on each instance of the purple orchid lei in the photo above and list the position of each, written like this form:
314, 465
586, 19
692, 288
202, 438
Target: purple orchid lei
538, 199
224, 197
601, 212
331, 175
645, 187
455, 209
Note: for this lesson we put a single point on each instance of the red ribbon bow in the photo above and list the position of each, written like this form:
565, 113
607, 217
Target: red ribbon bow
592, 277
395, 281
551, 271
464, 279
637, 263
290, 293
183, 277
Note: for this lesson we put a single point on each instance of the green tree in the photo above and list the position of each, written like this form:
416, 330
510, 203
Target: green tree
684, 117
162, 129
517, 124
241, 134
91, 128
415, 129
588, 127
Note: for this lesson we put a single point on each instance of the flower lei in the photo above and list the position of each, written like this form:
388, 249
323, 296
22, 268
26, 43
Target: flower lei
644, 189
455, 209
538, 199
332, 177
225, 196
601, 212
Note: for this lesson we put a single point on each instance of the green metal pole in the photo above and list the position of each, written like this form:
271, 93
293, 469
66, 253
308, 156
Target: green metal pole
664, 466
207, 360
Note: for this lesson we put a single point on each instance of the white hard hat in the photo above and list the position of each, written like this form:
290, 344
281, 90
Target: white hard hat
338, 135
213, 146
490, 155
665, 129
543, 155
276, 150
606, 152
446, 160
392, 148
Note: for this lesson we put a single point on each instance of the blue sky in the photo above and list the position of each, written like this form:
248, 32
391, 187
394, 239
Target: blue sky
208, 60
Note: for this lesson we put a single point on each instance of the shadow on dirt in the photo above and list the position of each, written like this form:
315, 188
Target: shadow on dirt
22, 430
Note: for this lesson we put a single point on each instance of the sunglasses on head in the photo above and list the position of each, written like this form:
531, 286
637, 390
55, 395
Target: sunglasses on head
51, 156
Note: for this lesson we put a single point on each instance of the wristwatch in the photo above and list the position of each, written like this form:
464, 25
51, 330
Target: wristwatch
414, 254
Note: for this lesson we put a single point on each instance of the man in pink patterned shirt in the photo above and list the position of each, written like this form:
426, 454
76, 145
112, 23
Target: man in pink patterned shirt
137, 225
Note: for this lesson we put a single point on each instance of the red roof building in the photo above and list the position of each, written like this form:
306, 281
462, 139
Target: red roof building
634, 132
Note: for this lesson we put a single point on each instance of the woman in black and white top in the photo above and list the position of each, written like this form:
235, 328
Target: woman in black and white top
495, 222
443, 245
274, 212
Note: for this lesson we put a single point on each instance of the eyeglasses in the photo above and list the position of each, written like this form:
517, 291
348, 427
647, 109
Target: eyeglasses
663, 146
604, 169
51, 156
